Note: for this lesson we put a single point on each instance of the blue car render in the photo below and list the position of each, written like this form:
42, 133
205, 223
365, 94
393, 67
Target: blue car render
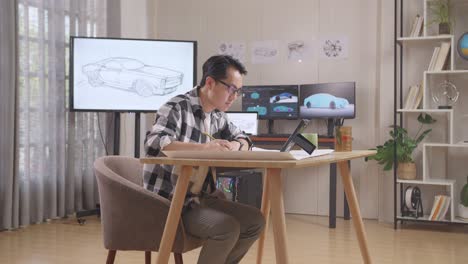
281, 96
255, 95
283, 109
261, 110
324, 100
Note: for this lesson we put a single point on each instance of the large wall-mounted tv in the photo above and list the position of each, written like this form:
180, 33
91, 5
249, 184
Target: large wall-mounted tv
328, 100
271, 101
129, 75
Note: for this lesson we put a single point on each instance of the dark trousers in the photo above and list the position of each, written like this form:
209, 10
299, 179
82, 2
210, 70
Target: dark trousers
229, 229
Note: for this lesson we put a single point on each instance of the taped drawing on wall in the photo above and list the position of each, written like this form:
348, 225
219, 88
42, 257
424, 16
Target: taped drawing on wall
334, 47
234, 49
265, 52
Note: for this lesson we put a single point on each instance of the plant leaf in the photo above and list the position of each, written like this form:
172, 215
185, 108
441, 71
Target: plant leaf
421, 137
426, 119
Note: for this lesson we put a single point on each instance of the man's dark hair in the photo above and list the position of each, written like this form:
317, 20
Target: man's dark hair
217, 66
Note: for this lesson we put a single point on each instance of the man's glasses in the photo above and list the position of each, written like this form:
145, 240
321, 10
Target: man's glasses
231, 88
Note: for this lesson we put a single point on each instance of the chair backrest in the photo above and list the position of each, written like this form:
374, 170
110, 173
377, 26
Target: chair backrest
126, 167
133, 218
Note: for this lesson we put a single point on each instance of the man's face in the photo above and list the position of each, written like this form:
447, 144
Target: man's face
225, 91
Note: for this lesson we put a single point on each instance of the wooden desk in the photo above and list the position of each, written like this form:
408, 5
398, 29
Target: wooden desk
272, 196
276, 142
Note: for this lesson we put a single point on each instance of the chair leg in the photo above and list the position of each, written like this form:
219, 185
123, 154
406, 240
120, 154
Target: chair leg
178, 258
111, 256
147, 257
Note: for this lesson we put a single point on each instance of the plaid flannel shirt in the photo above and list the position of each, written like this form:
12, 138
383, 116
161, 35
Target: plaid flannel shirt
181, 119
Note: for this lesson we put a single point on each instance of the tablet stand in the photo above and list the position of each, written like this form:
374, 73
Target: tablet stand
300, 140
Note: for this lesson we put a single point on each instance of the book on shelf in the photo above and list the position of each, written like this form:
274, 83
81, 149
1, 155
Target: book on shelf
445, 208
441, 56
410, 97
433, 59
414, 97
413, 27
435, 207
419, 26
439, 208
419, 97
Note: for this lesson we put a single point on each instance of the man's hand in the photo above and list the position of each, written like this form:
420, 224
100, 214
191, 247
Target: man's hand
218, 145
234, 145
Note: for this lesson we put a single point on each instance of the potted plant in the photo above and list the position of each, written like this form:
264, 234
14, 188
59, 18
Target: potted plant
463, 206
405, 145
440, 10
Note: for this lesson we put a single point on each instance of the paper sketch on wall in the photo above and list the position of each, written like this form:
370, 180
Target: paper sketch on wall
334, 48
133, 75
234, 49
264, 52
298, 51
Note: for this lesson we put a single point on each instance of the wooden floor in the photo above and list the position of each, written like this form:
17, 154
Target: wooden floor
310, 241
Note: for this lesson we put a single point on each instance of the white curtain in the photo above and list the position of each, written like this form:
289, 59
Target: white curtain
55, 148
8, 186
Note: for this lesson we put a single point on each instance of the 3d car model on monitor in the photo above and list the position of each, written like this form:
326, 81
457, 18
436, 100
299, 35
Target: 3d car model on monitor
133, 75
283, 97
283, 109
261, 110
324, 100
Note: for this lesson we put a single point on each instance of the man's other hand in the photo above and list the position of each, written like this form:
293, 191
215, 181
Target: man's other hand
218, 145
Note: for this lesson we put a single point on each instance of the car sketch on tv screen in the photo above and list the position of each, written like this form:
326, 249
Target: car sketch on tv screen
134, 75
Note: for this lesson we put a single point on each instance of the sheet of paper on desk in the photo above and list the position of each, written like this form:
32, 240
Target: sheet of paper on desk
255, 154
301, 154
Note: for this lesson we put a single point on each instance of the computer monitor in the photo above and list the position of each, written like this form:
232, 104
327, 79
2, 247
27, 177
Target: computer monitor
245, 121
271, 101
328, 100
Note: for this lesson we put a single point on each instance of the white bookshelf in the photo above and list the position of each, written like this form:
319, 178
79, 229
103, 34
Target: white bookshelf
429, 111
444, 182
444, 145
428, 179
416, 40
425, 218
435, 155
447, 72
448, 112
460, 220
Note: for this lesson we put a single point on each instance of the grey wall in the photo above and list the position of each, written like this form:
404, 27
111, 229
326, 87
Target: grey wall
211, 22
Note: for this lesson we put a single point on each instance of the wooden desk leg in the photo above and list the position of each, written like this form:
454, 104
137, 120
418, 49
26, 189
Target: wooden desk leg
277, 215
266, 213
173, 217
355, 212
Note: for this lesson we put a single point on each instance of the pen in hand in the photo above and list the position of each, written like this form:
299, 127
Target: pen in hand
208, 135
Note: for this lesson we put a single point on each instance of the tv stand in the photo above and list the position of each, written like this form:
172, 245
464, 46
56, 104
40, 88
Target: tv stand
330, 128
271, 126
331, 124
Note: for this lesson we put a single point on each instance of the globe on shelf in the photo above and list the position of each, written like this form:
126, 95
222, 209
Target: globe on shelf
445, 95
462, 46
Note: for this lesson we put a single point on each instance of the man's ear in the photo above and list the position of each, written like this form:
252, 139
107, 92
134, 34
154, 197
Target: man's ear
210, 82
